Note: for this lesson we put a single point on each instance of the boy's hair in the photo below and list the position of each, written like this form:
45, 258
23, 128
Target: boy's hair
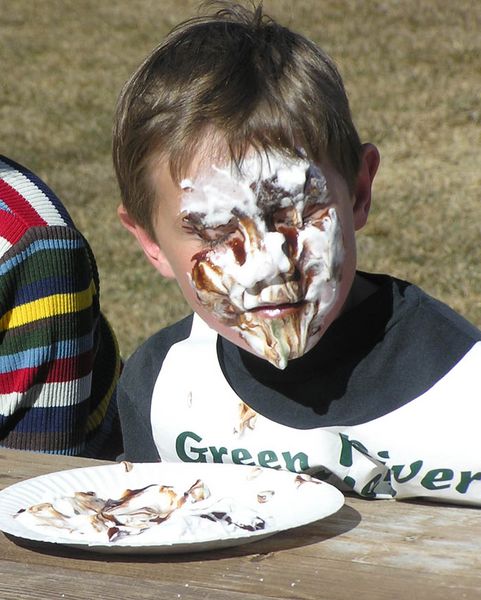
236, 76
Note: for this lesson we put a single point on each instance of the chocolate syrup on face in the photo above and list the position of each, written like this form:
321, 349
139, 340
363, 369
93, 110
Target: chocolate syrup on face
278, 250
238, 248
201, 255
291, 235
202, 280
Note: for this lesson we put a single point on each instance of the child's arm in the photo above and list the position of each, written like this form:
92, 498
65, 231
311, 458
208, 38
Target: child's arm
58, 360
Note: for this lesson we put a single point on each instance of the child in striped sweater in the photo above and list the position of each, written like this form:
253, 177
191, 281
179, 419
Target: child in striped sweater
59, 360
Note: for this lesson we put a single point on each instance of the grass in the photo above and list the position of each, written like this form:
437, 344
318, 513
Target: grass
413, 75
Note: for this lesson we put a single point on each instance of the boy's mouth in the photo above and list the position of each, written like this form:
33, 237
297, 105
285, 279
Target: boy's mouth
280, 294
274, 311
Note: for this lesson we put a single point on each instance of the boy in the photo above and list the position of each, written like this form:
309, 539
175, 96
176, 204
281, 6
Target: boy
243, 176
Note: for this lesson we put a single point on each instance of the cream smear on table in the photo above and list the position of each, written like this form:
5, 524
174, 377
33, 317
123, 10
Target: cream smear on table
273, 241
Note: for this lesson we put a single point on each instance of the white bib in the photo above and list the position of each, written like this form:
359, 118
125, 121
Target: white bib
429, 447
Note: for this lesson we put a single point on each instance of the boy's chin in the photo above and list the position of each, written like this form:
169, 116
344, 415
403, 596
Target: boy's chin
281, 339
279, 354
277, 339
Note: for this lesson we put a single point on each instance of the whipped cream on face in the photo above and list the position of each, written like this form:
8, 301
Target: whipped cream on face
274, 240
216, 195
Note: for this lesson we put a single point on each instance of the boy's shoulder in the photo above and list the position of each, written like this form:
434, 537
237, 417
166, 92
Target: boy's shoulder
413, 305
150, 355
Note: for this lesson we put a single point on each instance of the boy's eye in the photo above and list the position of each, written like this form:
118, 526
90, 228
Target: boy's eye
216, 234
211, 235
285, 217
313, 214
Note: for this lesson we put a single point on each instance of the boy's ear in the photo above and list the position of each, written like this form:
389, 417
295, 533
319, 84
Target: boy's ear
362, 194
150, 247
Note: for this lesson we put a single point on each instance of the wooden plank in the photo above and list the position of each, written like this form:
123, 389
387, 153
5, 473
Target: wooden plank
17, 465
378, 549
280, 574
276, 577
24, 582
422, 537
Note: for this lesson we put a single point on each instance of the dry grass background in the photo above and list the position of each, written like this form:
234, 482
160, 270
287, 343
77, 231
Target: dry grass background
413, 73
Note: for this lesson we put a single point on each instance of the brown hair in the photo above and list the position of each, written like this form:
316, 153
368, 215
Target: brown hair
246, 78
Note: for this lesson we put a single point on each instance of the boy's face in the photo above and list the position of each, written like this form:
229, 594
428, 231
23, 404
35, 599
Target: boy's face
265, 257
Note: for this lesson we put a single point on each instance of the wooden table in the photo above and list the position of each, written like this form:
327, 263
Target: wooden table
368, 550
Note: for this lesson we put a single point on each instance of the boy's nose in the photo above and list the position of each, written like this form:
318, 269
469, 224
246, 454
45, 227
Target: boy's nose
269, 262
277, 249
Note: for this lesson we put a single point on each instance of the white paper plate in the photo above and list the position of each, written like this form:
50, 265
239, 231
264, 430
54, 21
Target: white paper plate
289, 500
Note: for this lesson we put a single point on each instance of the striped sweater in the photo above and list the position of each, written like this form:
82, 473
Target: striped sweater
59, 360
